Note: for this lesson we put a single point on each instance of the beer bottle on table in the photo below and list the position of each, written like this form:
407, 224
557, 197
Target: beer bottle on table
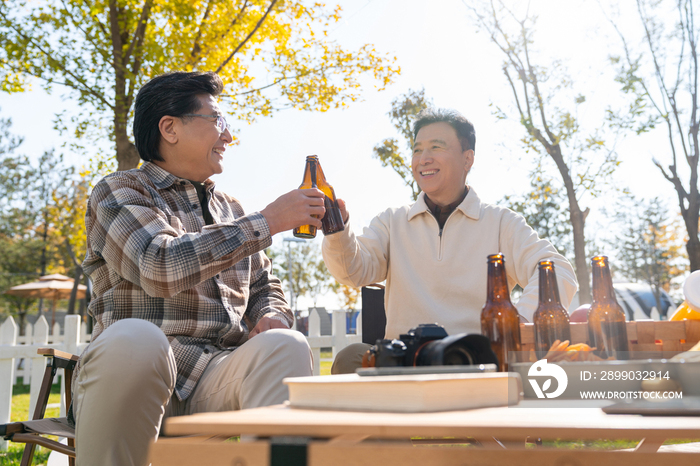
499, 319
332, 221
551, 319
607, 326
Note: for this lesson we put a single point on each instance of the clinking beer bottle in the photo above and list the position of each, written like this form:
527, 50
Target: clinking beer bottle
551, 319
332, 221
310, 179
607, 327
499, 318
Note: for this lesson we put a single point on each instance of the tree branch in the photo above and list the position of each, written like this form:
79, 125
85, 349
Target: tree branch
49, 57
99, 23
659, 74
117, 52
279, 80
680, 190
85, 33
633, 65
689, 26
515, 93
513, 57
135, 47
139, 32
71, 254
195, 45
533, 80
235, 20
257, 26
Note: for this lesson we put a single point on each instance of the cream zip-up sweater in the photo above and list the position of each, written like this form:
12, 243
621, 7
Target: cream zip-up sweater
435, 276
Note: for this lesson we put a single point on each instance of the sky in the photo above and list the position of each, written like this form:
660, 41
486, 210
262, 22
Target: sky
439, 49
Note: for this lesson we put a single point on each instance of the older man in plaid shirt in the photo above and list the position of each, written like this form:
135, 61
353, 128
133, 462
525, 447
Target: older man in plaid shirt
187, 316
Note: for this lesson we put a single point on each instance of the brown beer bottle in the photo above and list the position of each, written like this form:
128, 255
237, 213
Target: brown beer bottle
607, 326
332, 221
310, 180
551, 319
499, 318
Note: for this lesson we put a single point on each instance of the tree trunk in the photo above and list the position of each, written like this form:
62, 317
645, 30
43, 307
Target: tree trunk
22, 319
693, 248
86, 303
76, 279
690, 218
578, 223
657, 297
127, 155
43, 252
74, 292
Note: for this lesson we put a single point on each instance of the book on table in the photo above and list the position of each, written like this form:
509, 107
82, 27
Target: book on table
413, 393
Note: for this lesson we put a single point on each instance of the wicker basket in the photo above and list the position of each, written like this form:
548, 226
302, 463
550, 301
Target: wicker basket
643, 335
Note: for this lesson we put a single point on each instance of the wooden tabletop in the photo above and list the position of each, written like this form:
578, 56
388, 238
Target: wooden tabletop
529, 418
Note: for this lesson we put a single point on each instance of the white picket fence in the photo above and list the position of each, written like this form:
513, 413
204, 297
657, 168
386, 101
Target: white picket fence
23, 368
13, 348
74, 339
338, 339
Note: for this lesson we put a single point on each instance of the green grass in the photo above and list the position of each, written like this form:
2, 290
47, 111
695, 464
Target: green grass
13, 456
589, 444
604, 444
326, 365
20, 412
20, 402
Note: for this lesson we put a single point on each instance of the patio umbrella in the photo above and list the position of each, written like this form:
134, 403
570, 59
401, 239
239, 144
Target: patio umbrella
53, 287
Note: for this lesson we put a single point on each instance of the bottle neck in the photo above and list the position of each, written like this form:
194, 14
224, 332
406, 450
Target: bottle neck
314, 174
549, 290
602, 284
320, 177
497, 291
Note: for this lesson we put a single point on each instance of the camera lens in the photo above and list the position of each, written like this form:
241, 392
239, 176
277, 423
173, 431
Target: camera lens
445, 352
456, 350
457, 355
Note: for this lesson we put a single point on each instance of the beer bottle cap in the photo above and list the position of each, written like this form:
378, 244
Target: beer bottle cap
691, 290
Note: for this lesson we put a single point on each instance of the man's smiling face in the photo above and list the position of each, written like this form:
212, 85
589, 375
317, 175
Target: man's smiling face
202, 146
439, 164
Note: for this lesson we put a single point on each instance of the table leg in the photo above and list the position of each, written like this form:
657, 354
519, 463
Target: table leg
444, 441
649, 445
492, 443
347, 439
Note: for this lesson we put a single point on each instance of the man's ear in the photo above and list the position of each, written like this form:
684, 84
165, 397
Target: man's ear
168, 129
469, 159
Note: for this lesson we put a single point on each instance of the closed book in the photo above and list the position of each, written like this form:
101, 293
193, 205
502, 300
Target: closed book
418, 393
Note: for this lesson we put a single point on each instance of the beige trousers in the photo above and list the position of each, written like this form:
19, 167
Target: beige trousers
349, 358
127, 377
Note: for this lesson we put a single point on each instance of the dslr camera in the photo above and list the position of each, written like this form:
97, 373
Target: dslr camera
429, 345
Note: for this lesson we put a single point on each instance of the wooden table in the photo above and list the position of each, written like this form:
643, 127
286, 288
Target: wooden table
361, 438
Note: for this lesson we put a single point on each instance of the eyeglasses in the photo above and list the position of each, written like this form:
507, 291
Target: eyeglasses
221, 123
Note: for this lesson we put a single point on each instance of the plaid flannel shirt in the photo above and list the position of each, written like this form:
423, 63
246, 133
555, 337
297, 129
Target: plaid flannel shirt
150, 256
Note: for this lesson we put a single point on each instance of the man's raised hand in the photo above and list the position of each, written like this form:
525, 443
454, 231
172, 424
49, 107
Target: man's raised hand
343, 210
294, 209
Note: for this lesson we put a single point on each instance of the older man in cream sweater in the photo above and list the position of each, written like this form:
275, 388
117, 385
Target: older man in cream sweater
432, 253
